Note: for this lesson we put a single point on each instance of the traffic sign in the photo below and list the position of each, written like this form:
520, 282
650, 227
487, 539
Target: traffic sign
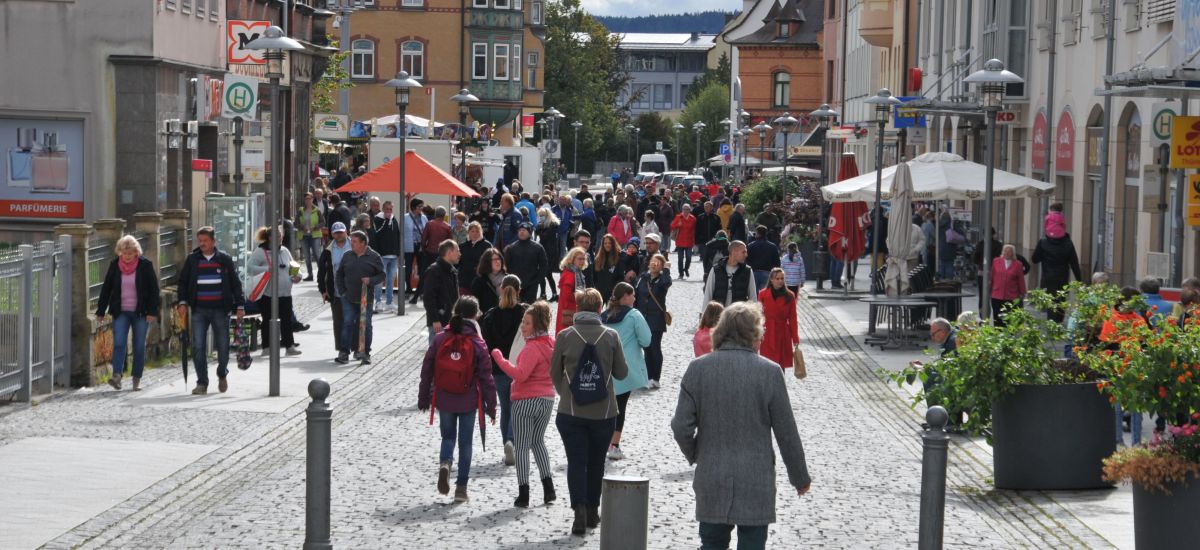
725, 152
238, 34
1160, 124
1185, 142
240, 97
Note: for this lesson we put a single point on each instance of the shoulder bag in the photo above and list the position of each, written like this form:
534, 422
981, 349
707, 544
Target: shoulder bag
261, 285
650, 291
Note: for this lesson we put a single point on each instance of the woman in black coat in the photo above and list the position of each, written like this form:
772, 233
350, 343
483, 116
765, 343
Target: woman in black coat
129, 270
651, 299
500, 326
489, 275
547, 234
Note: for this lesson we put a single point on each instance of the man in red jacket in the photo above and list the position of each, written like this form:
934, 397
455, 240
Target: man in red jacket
436, 231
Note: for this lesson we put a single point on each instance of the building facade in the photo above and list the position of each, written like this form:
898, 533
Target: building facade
662, 67
493, 48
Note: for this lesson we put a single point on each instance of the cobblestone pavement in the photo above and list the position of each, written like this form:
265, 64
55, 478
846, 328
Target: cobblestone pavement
860, 436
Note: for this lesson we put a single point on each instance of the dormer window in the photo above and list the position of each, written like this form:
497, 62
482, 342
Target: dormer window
784, 29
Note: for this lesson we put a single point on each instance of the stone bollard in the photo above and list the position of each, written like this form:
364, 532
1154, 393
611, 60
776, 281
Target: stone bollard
933, 479
625, 509
317, 475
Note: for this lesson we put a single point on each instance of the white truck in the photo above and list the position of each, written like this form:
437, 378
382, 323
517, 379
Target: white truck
437, 151
527, 159
652, 162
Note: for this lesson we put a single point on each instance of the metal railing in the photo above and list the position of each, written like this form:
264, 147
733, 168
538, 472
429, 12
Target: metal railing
168, 238
35, 289
99, 255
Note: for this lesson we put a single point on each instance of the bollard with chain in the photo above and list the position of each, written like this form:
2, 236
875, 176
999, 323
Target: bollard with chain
625, 513
933, 478
316, 506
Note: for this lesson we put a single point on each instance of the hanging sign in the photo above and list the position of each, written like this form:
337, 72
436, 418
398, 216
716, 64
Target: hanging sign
1193, 203
238, 33
1185, 142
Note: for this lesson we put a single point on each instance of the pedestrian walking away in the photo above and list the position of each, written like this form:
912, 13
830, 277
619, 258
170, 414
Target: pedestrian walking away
635, 335
743, 397
358, 273
533, 399
130, 295
262, 267
441, 287
210, 285
587, 357
651, 291
731, 281
702, 340
310, 222
549, 239
385, 239
500, 326
456, 383
762, 256
782, 333
571, 280
327, 266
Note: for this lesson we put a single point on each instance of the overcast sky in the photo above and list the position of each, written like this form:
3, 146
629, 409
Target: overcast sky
644, 7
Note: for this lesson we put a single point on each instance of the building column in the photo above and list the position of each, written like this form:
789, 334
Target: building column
82, 371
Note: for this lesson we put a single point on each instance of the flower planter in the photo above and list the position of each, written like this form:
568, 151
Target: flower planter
1052, 437
808, 251
1164, 521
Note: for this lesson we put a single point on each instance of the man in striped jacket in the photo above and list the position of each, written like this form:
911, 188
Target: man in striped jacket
210, 284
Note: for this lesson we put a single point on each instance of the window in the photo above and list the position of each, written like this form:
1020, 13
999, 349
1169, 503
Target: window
500, 58
185, 6
171, 4
200, 8
412, 58
640, 96
517, 5
535, 13
1100, 19
516, 62
532, 63
683, 92
1133, 15
783, 89
501, 4
412, 3
479, 3
785, 29
662, 96
479, 61
362, 59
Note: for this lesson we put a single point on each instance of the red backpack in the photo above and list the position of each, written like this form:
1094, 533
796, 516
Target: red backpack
454, 364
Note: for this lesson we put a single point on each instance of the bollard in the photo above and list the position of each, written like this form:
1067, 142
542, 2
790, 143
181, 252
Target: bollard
316, 505
933, 479
624, 513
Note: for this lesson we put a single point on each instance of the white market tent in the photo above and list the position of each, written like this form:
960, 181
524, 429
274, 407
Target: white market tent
798, 171
939, 176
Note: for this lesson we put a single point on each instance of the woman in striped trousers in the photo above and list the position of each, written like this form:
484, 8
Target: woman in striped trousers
532, 399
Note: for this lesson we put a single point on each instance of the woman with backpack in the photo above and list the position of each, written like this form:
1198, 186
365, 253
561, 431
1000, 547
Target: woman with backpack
500, 326
635, 335
533, 395
587, 357
651, 291
456, 380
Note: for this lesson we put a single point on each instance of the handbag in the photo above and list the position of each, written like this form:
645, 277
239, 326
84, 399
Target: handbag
954, 237
798, 367
666, 314
263, 279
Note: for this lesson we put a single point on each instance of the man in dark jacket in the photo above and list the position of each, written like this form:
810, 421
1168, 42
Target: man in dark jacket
510, 219
338, 212
357, 274
385, 239
327, 266
472, 250
731, 280
210, 285
707, 225
436, 230
666, 215
737, 223
527, 260
1059, 261
762, 255
441, 288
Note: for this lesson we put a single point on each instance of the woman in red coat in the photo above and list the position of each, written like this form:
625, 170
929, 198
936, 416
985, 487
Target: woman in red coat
570, 281
1008, 282
779, 310
684, 227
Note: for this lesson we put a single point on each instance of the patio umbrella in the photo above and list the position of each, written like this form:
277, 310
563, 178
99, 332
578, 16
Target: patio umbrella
421, 176
940, 176
895, 278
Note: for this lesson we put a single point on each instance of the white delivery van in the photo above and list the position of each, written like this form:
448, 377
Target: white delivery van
527, 159
652, 162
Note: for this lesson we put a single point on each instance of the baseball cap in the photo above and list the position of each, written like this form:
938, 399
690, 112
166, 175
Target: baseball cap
338, 227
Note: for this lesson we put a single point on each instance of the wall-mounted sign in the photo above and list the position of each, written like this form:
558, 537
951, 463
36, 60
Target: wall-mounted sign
1064, 145
328, 126
1185, 142
254, 159
1006, 118
905, 117
1193, 203
1039, 141
41, 170
238, 33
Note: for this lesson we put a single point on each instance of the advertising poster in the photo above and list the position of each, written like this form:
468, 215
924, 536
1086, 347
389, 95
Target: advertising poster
42, 169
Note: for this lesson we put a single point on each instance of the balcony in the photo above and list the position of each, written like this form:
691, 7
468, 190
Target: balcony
875, 24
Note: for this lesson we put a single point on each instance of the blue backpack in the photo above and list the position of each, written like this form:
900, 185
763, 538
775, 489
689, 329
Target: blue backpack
589, 384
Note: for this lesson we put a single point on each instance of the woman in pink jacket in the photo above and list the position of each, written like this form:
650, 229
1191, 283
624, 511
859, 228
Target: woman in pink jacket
1008, 282
622, 226
532, 399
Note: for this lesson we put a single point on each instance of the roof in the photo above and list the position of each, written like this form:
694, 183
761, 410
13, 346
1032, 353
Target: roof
667, 41
792, 11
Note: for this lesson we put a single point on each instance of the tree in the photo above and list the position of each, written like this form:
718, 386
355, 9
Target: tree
710, 106
585, 74
721, 74
325, 91
655, 128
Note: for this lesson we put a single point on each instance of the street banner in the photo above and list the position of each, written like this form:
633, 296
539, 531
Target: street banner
240, 97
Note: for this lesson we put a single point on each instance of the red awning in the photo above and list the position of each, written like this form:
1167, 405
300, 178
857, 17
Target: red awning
421, 176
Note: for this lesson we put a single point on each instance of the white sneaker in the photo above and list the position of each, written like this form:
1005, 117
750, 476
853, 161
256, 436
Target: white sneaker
653, 385
510, 454
614, 453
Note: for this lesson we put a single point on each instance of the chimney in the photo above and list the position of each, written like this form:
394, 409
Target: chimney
695, 36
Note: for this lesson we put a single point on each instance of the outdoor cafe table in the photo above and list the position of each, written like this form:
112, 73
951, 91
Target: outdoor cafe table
899, 320
949, 304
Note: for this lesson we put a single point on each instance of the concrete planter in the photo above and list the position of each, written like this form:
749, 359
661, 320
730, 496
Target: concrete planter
1166, 521
1052, 437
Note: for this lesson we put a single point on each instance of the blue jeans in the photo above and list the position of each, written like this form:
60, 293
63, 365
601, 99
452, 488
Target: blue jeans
1135, 424
760, 279
460, 427
835, 272
504, 392
350, 315
312, 251
685, 258
121, 324
715, 536
946, 267
389, 274
204, 318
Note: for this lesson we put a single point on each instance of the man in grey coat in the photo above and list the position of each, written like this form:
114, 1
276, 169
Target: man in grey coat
730, 401
358, 273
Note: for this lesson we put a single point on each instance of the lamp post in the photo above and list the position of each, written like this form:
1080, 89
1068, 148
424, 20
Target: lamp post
677, 128
403, 85
551, 117
883, 102
464, 98
698, 127
741, 152
824, 116
575, 162
629, 145
762, 128
992, 81
785, 123
275, 44
637, 145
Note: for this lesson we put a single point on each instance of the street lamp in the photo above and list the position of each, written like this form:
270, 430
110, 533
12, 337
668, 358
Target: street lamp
677, 128
698, 127
992, 81
403, 84
744, 124
761, 128
464, 98
629, 145
785, 123
575, 163
825, 117
637, 145
275, 44
883, 102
